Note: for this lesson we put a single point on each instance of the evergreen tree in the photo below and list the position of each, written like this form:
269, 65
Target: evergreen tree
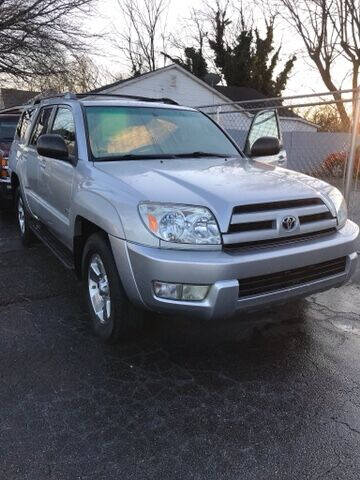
251, 60
194, 61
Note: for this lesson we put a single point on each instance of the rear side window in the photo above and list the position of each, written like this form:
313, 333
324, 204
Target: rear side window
24, 123
64, 125
41, 124
7, 127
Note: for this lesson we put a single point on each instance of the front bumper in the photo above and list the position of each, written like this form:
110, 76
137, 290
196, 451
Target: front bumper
139, 266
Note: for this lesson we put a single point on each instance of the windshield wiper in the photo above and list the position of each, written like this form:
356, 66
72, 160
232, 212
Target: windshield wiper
160, 156
133, 156
200, 154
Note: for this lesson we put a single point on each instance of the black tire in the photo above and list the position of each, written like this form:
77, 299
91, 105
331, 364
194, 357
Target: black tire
121, 319
26, 234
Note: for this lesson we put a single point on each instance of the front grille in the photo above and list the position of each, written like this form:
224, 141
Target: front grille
252, 226
317, 217
264, 224
282, 205
236, 248
290, 278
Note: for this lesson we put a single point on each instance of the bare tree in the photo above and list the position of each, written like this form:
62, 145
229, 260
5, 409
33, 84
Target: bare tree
34, 33
78, 75
345, 19
330, 31
144, 36
326, 117
189, 43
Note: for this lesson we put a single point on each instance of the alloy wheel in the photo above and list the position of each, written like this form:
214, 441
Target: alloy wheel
99, 289
21, 216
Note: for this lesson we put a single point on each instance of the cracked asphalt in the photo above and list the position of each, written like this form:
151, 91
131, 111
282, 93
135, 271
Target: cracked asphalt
268, 395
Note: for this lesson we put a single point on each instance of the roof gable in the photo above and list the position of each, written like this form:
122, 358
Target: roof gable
174, 66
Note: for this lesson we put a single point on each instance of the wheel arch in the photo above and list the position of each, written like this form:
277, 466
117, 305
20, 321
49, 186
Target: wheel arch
94, 213
83, 229
15, 182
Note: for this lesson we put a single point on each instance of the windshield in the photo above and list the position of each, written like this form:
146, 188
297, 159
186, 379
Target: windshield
7, 128
150, 132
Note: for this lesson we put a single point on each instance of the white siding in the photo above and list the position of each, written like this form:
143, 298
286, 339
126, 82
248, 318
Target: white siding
171, 83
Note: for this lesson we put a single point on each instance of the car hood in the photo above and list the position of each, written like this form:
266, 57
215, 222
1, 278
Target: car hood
219, 184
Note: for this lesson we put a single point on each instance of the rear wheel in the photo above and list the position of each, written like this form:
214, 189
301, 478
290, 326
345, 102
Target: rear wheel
26, 234
112, 315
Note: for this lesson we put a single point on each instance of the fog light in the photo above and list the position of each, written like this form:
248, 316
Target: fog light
171, 291
194, 292
178, 291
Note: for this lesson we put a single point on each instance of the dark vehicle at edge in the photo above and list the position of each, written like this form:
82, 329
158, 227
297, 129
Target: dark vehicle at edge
8, 123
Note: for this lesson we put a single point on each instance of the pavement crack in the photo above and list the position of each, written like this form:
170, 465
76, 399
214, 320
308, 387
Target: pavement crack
329, 311
330, 470
346, 424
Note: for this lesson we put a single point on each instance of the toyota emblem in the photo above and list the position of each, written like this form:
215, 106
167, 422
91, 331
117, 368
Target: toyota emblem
289, 223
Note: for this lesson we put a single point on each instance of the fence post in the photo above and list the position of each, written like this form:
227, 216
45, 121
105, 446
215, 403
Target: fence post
351, 160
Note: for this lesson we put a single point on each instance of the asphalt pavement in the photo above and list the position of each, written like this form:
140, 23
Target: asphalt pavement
266, 395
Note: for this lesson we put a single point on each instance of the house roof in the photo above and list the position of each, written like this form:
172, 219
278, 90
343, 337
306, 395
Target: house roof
240, 94
12, 97
126, 80
108, 86
174, 66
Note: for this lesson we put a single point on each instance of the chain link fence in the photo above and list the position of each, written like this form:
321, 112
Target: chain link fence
319, 134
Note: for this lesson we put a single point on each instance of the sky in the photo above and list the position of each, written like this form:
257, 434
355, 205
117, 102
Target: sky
304, 78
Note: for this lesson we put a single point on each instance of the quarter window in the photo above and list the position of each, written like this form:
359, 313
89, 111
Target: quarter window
24, 123
64, 125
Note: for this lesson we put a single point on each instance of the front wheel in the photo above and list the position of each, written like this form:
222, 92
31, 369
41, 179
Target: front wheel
112, 315
26, 234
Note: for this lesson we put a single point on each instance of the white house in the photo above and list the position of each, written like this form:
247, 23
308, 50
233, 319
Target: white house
180, 85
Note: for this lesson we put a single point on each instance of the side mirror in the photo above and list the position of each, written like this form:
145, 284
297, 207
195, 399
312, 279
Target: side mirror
265, 146
52, 146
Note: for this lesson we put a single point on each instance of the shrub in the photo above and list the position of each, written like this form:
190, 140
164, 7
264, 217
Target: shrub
335, 163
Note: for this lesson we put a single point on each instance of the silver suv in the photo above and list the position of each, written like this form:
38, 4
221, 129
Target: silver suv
154, 206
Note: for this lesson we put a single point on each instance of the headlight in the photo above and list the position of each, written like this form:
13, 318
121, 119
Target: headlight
339, 204
181, 223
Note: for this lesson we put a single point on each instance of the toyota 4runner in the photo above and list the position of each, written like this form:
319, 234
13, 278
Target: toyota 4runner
154, 206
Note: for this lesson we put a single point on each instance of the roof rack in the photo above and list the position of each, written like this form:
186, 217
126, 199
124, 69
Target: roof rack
43, 96
74, 96
133, 97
